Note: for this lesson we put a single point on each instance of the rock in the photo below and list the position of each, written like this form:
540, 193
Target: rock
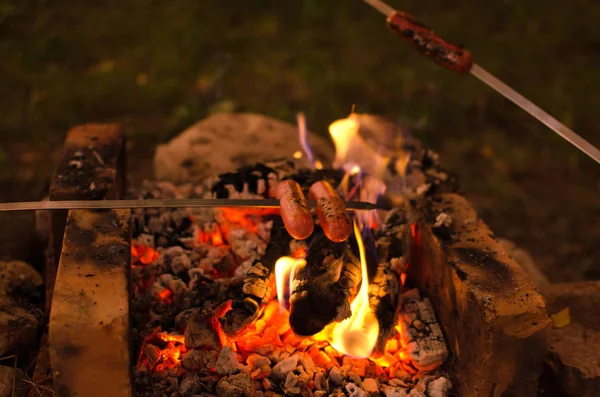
575, 367
18, 327
7, 376
226, 141
18, 277
281, 369
227, 361
238, 385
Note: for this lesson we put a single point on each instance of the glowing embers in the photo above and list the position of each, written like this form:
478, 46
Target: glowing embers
143, 255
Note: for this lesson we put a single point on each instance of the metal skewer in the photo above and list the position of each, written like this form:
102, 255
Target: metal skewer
160, 203
458, 60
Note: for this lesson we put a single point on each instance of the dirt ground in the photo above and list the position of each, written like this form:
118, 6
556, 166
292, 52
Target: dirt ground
160, 66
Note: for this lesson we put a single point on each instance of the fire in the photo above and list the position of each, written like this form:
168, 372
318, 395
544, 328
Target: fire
357, 335
351, 151
285, 269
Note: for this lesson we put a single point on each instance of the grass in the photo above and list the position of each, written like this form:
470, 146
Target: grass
159, 66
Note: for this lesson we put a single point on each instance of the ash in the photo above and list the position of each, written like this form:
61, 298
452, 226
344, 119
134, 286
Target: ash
187, 265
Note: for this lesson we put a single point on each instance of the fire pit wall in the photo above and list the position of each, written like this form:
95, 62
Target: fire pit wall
493, 318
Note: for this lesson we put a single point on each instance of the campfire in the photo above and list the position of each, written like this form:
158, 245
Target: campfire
226, 302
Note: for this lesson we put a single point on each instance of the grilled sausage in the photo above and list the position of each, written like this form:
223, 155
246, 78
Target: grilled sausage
331, 211
294, 210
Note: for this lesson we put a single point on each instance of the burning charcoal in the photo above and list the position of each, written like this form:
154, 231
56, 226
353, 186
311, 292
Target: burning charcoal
182, 318
394, 391
355, 391
227, 361
152, 354
239, 385
370, 385
322, 289
336, 376
337, 393
439, 387
189, 384
146, 240
257, 361
199, 360
426, 347
199, 333
256, 289
307, 362
289, 385
282, 368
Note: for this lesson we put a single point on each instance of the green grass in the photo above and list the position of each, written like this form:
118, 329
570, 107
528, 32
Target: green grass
159, 66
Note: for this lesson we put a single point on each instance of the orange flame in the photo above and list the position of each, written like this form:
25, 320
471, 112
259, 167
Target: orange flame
357, 335
285, 270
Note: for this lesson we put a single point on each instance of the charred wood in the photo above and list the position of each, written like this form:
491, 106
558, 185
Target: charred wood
394, 240
322, 289
257, 289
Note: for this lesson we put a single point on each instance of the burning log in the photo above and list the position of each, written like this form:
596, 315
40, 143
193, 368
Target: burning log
257, 288
322, 289
393, 243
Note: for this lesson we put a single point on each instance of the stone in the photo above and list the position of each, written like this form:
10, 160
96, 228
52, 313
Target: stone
238, 385
574, 352
394, 391
225, 141
18, 327
18, 277
439, 387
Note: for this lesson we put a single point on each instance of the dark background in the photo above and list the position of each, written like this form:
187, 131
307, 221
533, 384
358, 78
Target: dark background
159, 66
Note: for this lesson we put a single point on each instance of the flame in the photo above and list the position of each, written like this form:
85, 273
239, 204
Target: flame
357, 335
285, 269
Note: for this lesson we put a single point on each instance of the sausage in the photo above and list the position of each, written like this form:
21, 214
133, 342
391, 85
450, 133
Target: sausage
295, 213
331, 211
424, 40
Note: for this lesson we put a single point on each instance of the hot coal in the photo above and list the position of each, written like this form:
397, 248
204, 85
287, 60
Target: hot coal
205, 314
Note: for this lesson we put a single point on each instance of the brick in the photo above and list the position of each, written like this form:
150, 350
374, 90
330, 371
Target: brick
89, 327
493, 317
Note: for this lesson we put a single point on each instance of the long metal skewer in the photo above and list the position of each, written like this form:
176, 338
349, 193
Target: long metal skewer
456, 59
160, 203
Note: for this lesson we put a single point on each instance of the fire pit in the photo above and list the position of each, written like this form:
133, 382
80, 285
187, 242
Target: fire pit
421, 300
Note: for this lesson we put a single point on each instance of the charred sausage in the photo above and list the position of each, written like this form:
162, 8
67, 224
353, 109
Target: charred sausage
294, 210
331, 211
